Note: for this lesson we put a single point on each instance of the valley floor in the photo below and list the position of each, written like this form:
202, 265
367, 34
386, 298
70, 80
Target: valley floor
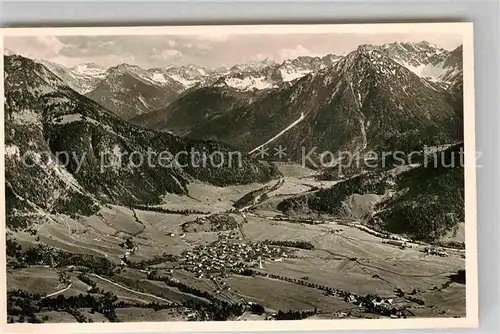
330, 277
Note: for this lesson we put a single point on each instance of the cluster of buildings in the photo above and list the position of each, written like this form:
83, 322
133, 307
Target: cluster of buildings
229, 255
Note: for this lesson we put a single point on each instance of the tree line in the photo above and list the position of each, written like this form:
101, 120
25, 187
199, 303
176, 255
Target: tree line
291, 243
294, 315
157, 259
25, 305
170, 211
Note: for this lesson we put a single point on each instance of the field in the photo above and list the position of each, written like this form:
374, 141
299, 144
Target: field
142, 314
35, 279
208, 198
351, 260
277, 295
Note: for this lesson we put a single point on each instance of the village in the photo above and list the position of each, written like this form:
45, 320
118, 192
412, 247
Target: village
230, 255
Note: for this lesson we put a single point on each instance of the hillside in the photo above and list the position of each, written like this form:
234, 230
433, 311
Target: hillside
193, 109
429, 201
424, 202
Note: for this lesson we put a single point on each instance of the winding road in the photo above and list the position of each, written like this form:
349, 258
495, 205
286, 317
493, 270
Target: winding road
131, 290
60, 291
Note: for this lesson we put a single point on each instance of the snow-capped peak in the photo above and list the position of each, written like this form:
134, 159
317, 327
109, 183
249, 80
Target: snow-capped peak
89, 69
249, 83
80, 78
121, 68
8, 52
422, 58
253, 66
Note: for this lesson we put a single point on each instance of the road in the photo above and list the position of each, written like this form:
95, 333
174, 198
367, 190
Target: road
60, 291
382, 269
300, 119
131, 290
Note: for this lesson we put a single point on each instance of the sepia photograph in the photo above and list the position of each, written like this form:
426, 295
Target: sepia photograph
287, 175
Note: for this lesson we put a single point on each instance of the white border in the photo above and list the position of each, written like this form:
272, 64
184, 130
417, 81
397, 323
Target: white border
464, 29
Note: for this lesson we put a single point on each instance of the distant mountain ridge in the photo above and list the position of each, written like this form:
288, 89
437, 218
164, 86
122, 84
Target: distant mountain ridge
269, 74
130, 91
156, 88
82, 78
365, 100
424, 59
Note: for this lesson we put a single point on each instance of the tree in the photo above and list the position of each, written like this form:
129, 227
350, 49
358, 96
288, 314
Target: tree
63, 277
257, 309
129, 243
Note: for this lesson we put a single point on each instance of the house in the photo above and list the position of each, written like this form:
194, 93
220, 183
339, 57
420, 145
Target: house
398, 243
191, 316
351, 299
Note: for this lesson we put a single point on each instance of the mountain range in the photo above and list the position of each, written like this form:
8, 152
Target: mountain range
364, 100
131, 91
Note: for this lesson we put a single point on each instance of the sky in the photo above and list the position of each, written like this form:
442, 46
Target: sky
203, 50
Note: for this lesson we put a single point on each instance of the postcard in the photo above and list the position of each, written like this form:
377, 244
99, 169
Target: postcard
235, 178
